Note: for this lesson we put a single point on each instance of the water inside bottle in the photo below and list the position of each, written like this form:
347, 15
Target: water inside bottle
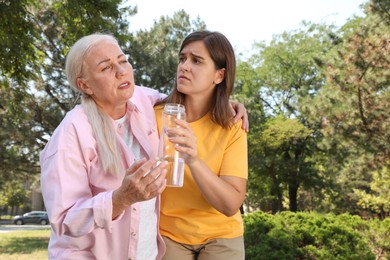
175, 171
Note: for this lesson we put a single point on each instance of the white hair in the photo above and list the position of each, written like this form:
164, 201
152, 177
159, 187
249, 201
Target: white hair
101, 122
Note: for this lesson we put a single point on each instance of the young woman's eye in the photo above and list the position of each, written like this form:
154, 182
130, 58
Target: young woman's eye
196, 61
181, 59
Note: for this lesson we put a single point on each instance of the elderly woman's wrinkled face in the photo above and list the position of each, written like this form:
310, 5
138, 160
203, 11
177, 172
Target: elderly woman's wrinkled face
107, 77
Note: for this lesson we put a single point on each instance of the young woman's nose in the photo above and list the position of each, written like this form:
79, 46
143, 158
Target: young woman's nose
185, 65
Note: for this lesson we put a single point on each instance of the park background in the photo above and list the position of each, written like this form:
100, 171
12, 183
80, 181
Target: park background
318, 101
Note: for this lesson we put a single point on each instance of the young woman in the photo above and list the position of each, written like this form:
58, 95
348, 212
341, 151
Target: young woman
202, 219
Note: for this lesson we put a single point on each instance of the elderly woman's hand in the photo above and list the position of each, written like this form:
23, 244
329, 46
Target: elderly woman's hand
239, 112
144, 180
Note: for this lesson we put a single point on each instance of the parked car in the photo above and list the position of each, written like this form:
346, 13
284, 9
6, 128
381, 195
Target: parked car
33, 217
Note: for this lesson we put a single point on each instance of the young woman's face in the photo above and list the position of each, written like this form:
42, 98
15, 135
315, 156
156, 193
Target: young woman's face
196, 71
107, 76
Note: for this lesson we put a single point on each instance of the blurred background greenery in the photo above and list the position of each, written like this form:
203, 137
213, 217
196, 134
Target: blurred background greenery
318, 100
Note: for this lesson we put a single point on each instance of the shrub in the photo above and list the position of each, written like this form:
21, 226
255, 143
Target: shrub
289, 235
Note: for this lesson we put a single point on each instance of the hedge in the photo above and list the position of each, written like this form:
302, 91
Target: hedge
309, 235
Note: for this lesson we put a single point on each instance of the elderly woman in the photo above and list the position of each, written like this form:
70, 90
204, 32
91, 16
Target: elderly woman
98, 182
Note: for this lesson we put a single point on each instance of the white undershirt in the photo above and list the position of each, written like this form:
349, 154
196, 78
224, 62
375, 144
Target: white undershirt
147, 237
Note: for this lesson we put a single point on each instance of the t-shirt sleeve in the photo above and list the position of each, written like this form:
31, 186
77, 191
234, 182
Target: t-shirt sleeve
235, 159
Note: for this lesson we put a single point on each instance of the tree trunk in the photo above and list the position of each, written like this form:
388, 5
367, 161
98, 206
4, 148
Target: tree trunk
292, 195
277, 201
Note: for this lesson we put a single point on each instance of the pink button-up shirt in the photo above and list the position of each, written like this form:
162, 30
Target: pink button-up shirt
78, 194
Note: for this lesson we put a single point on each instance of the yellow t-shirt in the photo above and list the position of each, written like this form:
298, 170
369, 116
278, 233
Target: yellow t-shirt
186, 217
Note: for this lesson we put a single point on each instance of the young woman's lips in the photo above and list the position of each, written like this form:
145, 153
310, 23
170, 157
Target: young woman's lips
182, 78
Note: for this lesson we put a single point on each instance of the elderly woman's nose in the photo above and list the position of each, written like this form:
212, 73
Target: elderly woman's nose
120, 70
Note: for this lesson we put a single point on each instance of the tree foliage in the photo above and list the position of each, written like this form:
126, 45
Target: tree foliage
246, 91
13, 195
377, 199
285, 78
317, 97
354, 106
154, 52
35, 38
335, 82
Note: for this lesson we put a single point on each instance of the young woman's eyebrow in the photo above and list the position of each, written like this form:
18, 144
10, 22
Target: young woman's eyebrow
193, 55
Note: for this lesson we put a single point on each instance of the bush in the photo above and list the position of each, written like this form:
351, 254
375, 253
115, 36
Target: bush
379, 238
289, 235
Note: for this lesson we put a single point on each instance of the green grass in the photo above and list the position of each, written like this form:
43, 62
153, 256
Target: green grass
24, 245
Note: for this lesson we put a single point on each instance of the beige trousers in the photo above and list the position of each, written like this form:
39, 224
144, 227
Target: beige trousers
214, 249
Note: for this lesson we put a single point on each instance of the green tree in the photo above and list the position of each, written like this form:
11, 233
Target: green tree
286, 78
13, 195
284, 160
354, 105
35, 38
154, 53
378, 200
246, 91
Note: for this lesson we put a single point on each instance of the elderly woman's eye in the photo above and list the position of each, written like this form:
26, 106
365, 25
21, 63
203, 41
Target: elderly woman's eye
106, 68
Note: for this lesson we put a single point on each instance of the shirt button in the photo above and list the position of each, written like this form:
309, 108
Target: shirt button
134, 209
133, 234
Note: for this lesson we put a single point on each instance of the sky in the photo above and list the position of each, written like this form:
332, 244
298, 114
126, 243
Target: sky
244, 22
